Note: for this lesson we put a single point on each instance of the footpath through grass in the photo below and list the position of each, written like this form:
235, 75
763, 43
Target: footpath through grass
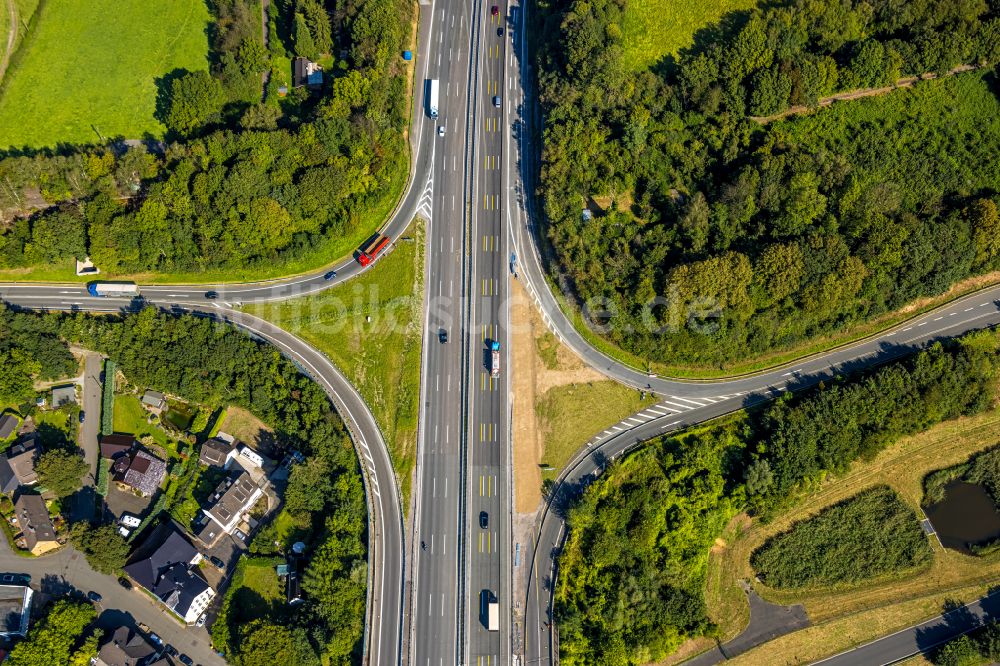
381, 357
90, 70
844, 616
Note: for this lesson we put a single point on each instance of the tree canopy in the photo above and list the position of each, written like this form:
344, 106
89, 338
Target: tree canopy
61, 471
712, 237
52, 639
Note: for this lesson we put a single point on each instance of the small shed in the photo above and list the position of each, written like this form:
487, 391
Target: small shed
154, 400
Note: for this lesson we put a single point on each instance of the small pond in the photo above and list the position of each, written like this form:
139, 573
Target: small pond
966, 517
178, 415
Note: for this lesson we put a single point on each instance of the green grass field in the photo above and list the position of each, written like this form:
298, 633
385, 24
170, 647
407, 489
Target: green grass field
130, 417
90, 69
381, 358
656, 28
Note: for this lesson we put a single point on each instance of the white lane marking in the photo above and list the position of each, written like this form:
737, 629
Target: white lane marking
647, 415
439, 60
680, 408
669, 425
446, 487
617, 428
434, 488
449, 383
966, 309
952, 314
636, 421
908, 328
437, 383
447, 433
938, 318
693, 402
923, 323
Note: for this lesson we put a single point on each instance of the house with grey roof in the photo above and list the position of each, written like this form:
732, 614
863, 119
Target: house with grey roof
166, 565
17, 464
228, 505
217, 452
63, 395
126, 647
15, 609
8, 426
140, 470
35, 524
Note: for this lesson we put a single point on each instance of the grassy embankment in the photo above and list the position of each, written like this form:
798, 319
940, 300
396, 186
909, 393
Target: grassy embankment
848, 615
381, 358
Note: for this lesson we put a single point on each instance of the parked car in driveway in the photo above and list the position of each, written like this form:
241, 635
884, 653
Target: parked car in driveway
124, 582
217, 562
201, 620
94, 596
186, 660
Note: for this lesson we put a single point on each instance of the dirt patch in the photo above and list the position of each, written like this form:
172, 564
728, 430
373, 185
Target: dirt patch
527, 363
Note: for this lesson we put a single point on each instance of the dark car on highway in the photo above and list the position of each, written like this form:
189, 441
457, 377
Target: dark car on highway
443, 336
484, 520
330, 275
211, 295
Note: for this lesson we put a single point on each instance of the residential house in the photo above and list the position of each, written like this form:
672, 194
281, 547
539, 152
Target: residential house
8, 424
140, 470
217, 452
113, 446
15, 609
251, 456
306, 73
17, 465
154, 401
126, 647
227, 506
165, 565
36, 527
63, 395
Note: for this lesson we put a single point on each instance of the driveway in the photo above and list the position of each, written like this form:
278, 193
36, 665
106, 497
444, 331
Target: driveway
83, 502
67, 570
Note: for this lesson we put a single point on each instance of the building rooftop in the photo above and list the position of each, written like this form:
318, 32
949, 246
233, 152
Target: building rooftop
17, 466
216, 452
164, 567
63, 395
125, 647
231, 499
8, 424
154, 399
33, 519
140, 470
114, 445
15, 609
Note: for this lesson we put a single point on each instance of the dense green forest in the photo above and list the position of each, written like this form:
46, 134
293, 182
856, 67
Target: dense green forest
242, 182
713, 236
632, 571
30, 349
217, 365
871, 534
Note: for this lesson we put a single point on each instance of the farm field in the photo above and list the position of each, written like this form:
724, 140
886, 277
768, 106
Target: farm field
76, 89
657, 28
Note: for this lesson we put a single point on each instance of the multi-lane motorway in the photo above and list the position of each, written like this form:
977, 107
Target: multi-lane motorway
469, 182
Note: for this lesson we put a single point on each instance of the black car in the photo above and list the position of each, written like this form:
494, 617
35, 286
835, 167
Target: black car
499, 32
170, 649
83, 415
216, 561
211, 295
94, 596
15, 579
443, 336
330, 275
184, 659
124, 582
484, 520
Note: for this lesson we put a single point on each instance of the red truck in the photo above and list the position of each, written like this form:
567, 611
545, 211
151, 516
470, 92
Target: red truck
371, 249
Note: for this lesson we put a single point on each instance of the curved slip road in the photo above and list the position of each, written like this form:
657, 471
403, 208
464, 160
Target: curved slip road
386, 556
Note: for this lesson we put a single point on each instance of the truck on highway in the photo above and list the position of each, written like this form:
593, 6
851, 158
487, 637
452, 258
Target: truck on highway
495, 358
113, 289
371, 249
493, 615
432, 99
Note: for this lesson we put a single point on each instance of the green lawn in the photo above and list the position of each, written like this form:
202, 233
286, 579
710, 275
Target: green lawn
381, 358
90, 69
570, 415
656, 28
130, 417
